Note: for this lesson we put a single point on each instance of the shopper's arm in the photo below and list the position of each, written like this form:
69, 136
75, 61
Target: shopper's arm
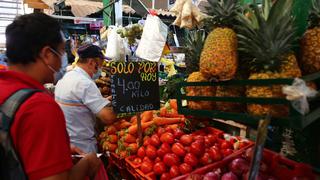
86, 167
106, 115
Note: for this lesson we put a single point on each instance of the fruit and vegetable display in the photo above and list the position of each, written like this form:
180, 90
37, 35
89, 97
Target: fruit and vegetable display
121, 137
272, 167
170, 152
131, 33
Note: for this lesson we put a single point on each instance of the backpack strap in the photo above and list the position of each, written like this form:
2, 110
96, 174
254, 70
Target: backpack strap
10, 161
12, 104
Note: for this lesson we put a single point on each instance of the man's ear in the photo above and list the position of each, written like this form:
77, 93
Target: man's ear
45, 54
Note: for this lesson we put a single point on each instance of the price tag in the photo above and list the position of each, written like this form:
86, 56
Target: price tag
134, 86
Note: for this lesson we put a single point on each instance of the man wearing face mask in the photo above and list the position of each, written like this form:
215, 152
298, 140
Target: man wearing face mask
81, 100
35, 47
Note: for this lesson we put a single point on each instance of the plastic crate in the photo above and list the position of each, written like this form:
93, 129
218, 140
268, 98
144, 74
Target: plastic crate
278, 166
134, 169
115, 159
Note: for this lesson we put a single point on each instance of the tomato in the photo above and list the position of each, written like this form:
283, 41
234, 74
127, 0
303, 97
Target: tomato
146, 141
187, 148
226, 145
178, 149
205, 159
141, 152
212, 138
174, 171
177, 133
164, 149
169, 129
111, 130
167, 138
171, 159
191, 160
159, 168
151, 152
146, 159
146, 167
185, 168
186, 139
226, 152
197, 148
199, 138
215, 154
165, 176
161, 131
155, 141
207, 142
137, 161
158, 159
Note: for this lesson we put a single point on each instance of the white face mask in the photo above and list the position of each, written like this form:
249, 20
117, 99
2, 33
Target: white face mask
56, 74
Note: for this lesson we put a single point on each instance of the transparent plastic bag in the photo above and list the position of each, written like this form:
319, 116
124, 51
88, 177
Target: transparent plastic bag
153, 39
298, 93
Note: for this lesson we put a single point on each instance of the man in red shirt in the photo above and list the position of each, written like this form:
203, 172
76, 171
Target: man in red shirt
35, 46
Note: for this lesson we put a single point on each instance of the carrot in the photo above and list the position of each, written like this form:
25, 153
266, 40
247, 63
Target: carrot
159, 121
146, 116
112, 138
124, 124
173, 126
128, 138
163, 111
134, 128
173, 104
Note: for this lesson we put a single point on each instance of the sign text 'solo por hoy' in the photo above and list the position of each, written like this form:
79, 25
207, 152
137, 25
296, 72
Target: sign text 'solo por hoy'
134, 86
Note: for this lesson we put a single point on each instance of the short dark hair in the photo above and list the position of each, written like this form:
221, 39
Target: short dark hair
28, 34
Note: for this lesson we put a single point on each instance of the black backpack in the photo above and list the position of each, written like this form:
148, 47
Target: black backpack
10, 165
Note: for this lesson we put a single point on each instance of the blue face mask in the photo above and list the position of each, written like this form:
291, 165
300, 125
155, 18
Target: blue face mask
97, 74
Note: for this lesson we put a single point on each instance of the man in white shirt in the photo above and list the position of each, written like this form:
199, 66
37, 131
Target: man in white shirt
81, 100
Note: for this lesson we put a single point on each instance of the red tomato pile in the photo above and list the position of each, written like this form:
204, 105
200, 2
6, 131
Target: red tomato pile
169, 153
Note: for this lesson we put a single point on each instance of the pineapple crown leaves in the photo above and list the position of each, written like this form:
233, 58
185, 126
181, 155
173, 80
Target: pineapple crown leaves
314, 14
194, 45
223, 13
268, 36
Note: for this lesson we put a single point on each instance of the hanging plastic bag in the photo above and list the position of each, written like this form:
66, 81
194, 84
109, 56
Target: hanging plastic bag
153, 39
298, 93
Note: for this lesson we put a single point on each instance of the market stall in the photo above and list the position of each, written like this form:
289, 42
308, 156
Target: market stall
242, 69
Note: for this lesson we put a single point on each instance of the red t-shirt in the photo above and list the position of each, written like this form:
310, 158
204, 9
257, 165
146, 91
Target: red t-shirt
39, 129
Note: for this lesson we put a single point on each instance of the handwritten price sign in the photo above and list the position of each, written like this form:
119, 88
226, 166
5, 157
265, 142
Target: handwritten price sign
134, 86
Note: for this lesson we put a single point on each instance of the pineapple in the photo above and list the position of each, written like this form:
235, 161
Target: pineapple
310, 42
219, 59
269, 43
229, 91
194, 45
199, 91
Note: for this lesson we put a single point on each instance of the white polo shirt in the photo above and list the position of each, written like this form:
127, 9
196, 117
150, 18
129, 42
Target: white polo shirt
80, 99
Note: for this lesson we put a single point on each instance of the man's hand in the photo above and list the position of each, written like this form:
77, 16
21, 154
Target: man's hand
75, 150
106, 115
109, 98
94, 164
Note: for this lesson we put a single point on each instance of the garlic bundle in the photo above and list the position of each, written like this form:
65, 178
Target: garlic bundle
188, 15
